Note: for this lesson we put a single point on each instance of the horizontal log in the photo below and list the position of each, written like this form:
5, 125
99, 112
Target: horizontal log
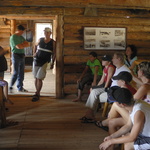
68, 51
74, 68
72, 89
71, 78
4, 34
105, 20
139, 4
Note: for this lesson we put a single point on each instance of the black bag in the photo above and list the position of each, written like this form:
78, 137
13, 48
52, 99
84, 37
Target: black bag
98, 86
110, 91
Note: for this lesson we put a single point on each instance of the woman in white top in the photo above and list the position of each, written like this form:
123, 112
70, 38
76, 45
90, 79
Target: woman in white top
131, 56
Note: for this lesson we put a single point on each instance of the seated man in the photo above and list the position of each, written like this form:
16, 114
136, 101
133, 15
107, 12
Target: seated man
123, 80
96, 72
135, 134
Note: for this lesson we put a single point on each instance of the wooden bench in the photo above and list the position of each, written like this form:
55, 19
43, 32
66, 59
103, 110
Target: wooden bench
2, 110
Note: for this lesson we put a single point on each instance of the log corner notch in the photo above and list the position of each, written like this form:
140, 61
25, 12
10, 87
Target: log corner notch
90, 11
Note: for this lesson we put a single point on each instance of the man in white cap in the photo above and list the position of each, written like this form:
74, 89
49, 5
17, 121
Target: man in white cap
44, 52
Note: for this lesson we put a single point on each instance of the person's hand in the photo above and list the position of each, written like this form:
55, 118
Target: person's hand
52, 66
105, 145
93, 84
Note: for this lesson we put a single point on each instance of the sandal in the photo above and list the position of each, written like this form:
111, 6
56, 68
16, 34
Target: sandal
85, 118
100, 125
35, 98
11, 123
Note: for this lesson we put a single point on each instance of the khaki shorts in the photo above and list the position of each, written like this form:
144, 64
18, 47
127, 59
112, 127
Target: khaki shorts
39, 72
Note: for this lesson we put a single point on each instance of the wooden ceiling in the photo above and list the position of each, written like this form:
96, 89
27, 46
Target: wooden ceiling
128, 4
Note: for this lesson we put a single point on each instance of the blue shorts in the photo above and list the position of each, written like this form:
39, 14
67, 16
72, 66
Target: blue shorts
3, 83
142, 143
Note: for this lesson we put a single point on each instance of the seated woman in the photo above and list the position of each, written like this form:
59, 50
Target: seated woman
131, 57
4, 84
118, 116
3, 68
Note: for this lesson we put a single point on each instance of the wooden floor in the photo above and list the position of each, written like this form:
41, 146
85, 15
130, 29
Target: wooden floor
49, 124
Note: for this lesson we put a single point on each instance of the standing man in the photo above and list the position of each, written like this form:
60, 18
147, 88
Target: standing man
44, 49
18, 43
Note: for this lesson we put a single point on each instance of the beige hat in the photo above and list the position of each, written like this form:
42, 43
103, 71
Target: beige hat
47, 29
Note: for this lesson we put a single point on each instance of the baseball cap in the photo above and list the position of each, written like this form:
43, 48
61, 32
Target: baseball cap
124, 75
47, 29
122, 95
107, 58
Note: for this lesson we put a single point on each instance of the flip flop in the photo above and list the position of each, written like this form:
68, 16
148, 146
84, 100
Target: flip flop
85, 118
100, 125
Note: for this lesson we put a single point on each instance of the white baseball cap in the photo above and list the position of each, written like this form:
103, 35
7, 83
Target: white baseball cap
47, 29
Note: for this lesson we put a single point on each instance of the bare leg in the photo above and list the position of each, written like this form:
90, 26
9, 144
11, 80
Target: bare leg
128, 146
114, 124
38, 86
79, 96
5, 91
116, 112
90, 114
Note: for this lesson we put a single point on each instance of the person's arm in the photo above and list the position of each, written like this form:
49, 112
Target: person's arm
135, 78
139, 120
110, 74
95, 75
54, 55
22, 45
35, 48
102, 79
141, 92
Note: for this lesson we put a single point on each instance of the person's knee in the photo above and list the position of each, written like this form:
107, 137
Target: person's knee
128, 146
112, 123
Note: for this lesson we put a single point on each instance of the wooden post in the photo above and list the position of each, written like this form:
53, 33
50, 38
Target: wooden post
12, 31
2, 110
59, 58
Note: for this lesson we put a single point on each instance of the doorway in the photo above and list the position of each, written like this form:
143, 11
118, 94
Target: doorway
36, 26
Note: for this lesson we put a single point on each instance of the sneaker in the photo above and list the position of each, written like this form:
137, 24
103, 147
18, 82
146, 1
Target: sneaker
23, 90
10, 89
35, 98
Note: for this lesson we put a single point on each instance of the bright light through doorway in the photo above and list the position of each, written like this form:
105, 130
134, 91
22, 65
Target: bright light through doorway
39, 29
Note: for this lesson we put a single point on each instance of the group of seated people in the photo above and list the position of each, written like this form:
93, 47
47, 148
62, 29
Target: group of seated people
127, 120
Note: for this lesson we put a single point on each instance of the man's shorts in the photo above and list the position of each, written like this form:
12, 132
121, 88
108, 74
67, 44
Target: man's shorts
142, 143
39, 72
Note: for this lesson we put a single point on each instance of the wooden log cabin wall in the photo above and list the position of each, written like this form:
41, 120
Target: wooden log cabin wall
71, 17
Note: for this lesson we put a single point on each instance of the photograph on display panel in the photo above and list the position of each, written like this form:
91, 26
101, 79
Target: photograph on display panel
100, 38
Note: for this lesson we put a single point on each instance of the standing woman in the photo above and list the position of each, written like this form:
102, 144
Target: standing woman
44, 52
131, 56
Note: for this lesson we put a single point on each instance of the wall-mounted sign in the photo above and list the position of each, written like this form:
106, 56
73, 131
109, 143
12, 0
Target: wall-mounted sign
101, 38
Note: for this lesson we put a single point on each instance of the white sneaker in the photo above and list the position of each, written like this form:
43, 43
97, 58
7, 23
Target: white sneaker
23, 90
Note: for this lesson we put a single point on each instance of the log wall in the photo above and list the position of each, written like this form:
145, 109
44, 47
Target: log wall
74, 21
75, 18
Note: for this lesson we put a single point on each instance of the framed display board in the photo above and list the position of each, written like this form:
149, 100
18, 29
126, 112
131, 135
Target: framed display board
101, 38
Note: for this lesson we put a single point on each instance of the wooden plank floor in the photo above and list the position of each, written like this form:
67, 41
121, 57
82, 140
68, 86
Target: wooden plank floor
49, 124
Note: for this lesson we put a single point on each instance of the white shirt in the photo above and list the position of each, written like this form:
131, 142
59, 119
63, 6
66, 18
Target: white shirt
118, 70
